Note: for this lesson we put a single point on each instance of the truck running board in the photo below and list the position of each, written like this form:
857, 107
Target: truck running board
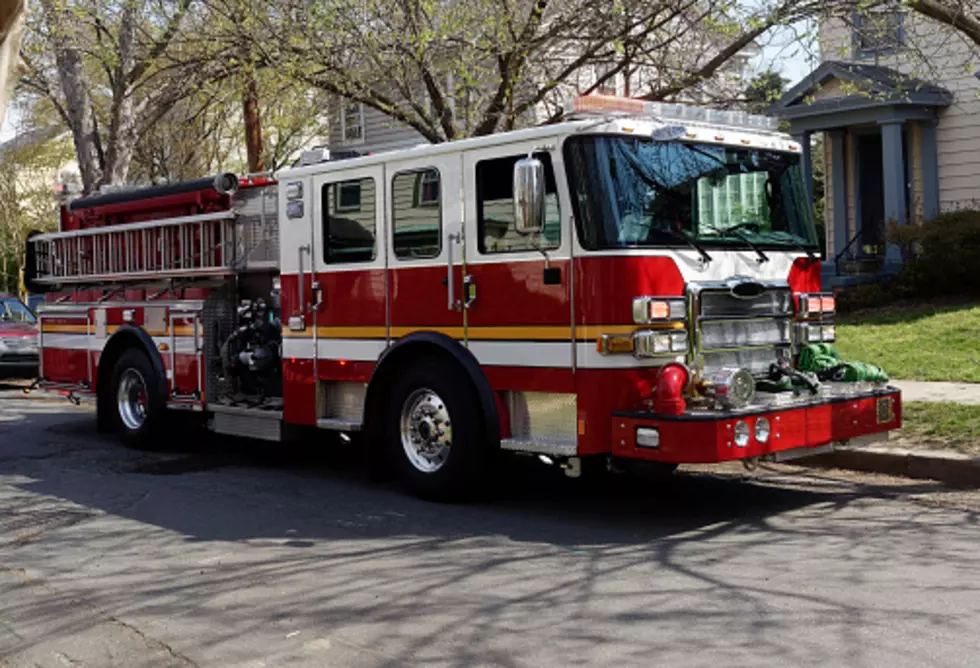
247, 422
335, 424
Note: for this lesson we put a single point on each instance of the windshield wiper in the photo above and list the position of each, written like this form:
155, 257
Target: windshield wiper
739, 232
683, 237
788, 238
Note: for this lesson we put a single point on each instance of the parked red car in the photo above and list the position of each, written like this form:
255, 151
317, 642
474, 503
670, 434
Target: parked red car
18, 339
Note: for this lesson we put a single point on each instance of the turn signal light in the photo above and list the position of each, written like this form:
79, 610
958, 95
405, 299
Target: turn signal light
817, 304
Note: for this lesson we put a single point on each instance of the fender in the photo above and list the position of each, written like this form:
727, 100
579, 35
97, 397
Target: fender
387, 364
120, 340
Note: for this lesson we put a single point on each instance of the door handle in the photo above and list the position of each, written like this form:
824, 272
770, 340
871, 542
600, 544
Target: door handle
302, 288
317, 295
450, 282
469, 290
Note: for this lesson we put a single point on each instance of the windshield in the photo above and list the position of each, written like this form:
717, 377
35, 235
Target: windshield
631, 191
12, 310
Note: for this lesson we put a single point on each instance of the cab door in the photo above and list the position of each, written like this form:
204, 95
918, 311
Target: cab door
349, 272
425, 253
518, 317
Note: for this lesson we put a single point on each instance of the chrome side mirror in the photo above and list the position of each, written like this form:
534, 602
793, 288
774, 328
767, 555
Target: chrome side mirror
529, 205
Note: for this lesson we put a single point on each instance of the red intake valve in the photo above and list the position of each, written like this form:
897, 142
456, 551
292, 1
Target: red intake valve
668, 398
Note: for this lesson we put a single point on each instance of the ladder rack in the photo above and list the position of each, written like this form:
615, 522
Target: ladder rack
185, 246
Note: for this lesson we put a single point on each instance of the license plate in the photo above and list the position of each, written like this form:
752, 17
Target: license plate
885, 409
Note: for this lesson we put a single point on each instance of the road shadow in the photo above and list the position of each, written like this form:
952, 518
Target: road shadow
321, 479
237, 537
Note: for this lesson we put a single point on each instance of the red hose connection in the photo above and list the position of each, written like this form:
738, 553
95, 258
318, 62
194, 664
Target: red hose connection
668, 399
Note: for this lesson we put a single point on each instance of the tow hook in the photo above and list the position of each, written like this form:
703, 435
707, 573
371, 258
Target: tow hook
750, 463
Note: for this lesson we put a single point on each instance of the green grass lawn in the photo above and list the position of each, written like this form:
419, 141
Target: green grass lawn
916, 342
951, 426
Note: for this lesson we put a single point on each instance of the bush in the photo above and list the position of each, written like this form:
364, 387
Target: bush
942, 255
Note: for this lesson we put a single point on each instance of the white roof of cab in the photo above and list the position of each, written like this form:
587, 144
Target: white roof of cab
698, 132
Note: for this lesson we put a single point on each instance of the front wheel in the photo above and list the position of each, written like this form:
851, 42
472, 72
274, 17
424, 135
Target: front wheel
136, 405
435, 431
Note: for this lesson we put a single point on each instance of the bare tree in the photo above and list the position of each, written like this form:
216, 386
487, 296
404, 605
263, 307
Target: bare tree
112, 69
449, 68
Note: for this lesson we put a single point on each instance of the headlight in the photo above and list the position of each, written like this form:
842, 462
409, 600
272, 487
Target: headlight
648, 343
720, 334
742, 433
655, 309
762, 430
811, 332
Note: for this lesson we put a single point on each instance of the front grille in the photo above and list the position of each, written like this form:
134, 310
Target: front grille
749, 333
756, 360
772, 302
722, 334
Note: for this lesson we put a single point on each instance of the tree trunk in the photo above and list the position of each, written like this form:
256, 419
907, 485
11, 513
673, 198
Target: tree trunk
74, 86
253, 124
75, 89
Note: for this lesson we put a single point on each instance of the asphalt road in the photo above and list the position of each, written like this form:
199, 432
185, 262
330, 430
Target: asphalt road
226, 554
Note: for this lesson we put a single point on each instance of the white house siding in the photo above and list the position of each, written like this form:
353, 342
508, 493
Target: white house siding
942, 56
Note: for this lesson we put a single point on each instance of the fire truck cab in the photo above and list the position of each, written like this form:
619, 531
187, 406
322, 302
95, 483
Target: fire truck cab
633, 285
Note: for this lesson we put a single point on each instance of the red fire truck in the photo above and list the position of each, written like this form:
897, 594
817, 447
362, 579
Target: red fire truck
632, 285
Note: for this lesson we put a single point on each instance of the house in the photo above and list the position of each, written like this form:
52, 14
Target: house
896, 104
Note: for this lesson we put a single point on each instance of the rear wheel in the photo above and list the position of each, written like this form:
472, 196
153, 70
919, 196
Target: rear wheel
435, 431
136, 404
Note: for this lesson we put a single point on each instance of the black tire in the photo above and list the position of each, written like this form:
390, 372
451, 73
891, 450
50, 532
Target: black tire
466, 468
148, 433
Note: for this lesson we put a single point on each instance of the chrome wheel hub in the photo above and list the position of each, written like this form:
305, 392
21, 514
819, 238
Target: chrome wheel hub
426, 431
131, 399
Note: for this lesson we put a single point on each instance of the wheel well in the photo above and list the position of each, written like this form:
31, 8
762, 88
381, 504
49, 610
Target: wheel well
125, 338
413, 347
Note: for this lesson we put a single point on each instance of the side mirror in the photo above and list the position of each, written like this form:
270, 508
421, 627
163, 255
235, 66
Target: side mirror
529, 205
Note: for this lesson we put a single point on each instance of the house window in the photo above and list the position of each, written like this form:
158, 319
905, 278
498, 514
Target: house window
348, 196
416, 214
352, 123
495, 208
349, 233
426, 188
878, 33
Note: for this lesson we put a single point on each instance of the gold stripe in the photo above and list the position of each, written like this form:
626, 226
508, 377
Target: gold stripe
65, 329
180, 330
481, 333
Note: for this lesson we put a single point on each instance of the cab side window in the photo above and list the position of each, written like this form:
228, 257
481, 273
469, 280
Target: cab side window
417, 214
495, 207
349, 221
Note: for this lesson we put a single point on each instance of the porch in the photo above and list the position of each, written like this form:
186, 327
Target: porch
879, 158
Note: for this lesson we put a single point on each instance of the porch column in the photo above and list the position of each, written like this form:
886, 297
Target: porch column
838, 186
806, 160
893, 177
930, 170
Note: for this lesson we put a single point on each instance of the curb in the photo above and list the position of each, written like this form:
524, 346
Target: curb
945, 466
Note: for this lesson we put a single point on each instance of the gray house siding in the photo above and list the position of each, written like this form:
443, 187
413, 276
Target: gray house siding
379, 133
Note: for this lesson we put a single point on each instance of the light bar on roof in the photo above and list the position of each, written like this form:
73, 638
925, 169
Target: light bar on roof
672, 111
591, 104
